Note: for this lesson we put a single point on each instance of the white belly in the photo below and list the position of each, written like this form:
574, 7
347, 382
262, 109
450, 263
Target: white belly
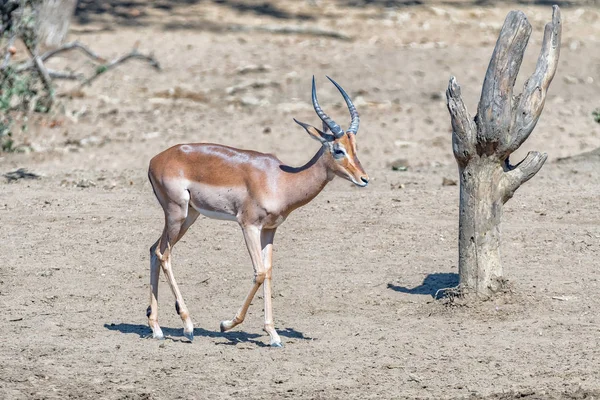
217, 215
215, 202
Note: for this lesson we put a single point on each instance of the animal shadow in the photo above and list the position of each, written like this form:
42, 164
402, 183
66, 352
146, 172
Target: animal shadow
432, 285
232, 337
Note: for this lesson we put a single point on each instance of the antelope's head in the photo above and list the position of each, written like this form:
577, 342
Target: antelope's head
340, 145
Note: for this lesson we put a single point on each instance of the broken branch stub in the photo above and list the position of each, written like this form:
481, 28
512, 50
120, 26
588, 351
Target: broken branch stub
533, 97
463, 126
482, 146
495, 106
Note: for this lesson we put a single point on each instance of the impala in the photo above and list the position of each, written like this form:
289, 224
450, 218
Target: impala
255, 189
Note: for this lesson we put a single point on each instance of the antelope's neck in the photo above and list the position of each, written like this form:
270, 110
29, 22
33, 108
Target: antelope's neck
306, 182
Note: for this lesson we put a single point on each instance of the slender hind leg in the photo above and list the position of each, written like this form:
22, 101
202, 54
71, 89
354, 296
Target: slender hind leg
178, 218
176, 228
252, 236
152, 311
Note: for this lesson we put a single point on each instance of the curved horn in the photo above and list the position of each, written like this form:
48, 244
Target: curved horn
353, 113
333, 127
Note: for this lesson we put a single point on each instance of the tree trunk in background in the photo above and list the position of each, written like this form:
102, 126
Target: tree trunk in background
53, 20
482, 146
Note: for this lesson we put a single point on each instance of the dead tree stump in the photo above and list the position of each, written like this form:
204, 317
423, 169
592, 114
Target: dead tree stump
482, 146
54, 18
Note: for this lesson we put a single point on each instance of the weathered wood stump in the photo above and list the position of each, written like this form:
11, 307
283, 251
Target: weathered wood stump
482, 146
53, 21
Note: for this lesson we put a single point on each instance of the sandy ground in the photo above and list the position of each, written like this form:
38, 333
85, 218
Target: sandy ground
356, 270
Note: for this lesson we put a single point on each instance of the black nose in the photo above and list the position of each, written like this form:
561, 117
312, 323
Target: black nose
365, 180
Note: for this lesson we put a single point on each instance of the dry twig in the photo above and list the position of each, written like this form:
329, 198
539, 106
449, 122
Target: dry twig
133, 54
102, 65
64, 75
64, 48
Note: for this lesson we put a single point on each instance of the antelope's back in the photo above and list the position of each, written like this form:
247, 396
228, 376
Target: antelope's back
212, 164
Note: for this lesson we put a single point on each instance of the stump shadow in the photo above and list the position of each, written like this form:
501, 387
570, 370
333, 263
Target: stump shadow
431, 284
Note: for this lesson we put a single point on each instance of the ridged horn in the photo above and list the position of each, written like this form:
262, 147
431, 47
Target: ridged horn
353, 113
333, 127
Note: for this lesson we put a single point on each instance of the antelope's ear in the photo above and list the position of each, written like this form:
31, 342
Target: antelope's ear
315, 133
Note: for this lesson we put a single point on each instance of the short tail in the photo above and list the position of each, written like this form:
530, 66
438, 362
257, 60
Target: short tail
152, 184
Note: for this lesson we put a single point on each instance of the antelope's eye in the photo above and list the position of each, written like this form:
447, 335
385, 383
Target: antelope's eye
339, 153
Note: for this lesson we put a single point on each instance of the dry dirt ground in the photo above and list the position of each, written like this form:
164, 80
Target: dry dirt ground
356, 270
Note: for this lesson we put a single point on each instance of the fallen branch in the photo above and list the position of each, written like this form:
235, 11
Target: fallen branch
71, 46
67, 47
101, 68
64, 75
133, 54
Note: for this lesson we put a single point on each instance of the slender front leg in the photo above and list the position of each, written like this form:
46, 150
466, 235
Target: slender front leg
152, 311
252, 235
267, 254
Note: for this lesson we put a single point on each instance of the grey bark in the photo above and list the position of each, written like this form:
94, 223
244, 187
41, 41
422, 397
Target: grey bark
482, 146
53, 20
